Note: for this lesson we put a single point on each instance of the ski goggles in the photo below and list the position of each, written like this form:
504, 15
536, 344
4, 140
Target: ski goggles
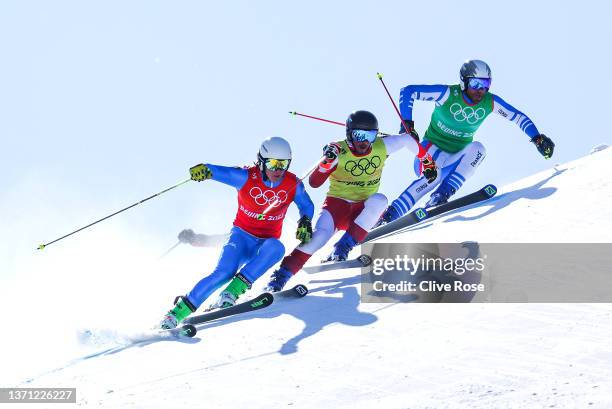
479, 83
277, 164
361, 135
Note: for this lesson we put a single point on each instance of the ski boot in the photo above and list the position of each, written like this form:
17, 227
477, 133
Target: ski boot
182, 309
440, 196
342, 248
238, 286
278, 280
388, 216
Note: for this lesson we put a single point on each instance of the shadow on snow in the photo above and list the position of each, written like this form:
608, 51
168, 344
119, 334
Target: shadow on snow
317, 312
533, 192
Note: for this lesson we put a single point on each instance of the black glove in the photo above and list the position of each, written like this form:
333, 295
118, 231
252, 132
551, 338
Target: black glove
544, 144
430, 169
186, 236
330, 153
411, 130
304, 230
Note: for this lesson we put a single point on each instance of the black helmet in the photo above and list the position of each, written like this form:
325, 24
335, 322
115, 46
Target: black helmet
364, 120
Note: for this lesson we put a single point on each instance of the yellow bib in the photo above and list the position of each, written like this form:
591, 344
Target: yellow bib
357, 177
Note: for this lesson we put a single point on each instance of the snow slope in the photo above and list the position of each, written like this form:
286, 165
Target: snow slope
328, 350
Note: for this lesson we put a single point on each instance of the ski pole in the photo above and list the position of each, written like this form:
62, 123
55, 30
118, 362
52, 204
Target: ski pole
261, 216
317, 118
329, 121
421, 150
169, 250
42, 246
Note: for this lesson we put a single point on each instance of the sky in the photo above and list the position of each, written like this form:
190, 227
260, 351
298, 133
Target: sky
103, 103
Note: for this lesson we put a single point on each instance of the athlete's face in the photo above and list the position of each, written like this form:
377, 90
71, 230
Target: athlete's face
361, 147
362, 140
477, 88
275, 175
476, 95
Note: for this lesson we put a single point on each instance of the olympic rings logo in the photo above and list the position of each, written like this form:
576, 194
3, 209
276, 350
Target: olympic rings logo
468, 114
363, 165
268, 197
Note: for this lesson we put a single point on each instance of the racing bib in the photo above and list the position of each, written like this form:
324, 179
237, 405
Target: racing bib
255, 197
357, 177
454, 123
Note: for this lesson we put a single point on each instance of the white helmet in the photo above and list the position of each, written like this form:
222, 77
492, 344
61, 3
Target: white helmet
273, 148
473, 69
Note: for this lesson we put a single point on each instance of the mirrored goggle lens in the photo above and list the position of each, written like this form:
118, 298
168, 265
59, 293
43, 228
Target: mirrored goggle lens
479, 83
360, 135
277, 164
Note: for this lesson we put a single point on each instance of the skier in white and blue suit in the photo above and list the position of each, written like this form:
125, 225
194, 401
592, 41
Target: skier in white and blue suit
460, 110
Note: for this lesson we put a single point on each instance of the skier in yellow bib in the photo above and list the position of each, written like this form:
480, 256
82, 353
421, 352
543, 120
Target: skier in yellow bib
354, 167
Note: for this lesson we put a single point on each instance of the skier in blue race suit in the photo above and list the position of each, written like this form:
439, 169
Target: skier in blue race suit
265, 192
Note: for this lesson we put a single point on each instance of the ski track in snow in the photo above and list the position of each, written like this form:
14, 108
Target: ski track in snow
328, 350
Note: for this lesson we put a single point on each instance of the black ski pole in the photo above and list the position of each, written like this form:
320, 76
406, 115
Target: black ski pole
42, 246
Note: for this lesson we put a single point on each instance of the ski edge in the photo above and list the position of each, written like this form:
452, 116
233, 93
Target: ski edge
261, 301
358, 262
421, 214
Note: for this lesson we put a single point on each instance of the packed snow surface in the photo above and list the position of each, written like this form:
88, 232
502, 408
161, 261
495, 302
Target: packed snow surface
328, 349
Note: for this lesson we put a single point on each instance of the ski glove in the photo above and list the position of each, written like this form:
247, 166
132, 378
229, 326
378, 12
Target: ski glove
186, 236
200, 172
544, 144
411, 130
430, 170
330, 160
304, 230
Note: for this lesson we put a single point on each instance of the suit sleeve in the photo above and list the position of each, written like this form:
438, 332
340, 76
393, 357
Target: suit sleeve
317, 178
235, 177
303, 201
437, 93
394, 143
509, 112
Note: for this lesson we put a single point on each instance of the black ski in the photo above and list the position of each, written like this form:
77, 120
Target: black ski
420, 214
485, 193
361, 261
261, 301
297, 291
187, 331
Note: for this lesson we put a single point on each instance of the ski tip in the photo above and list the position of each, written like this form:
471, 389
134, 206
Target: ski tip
490, 190
365, 260
300, 290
